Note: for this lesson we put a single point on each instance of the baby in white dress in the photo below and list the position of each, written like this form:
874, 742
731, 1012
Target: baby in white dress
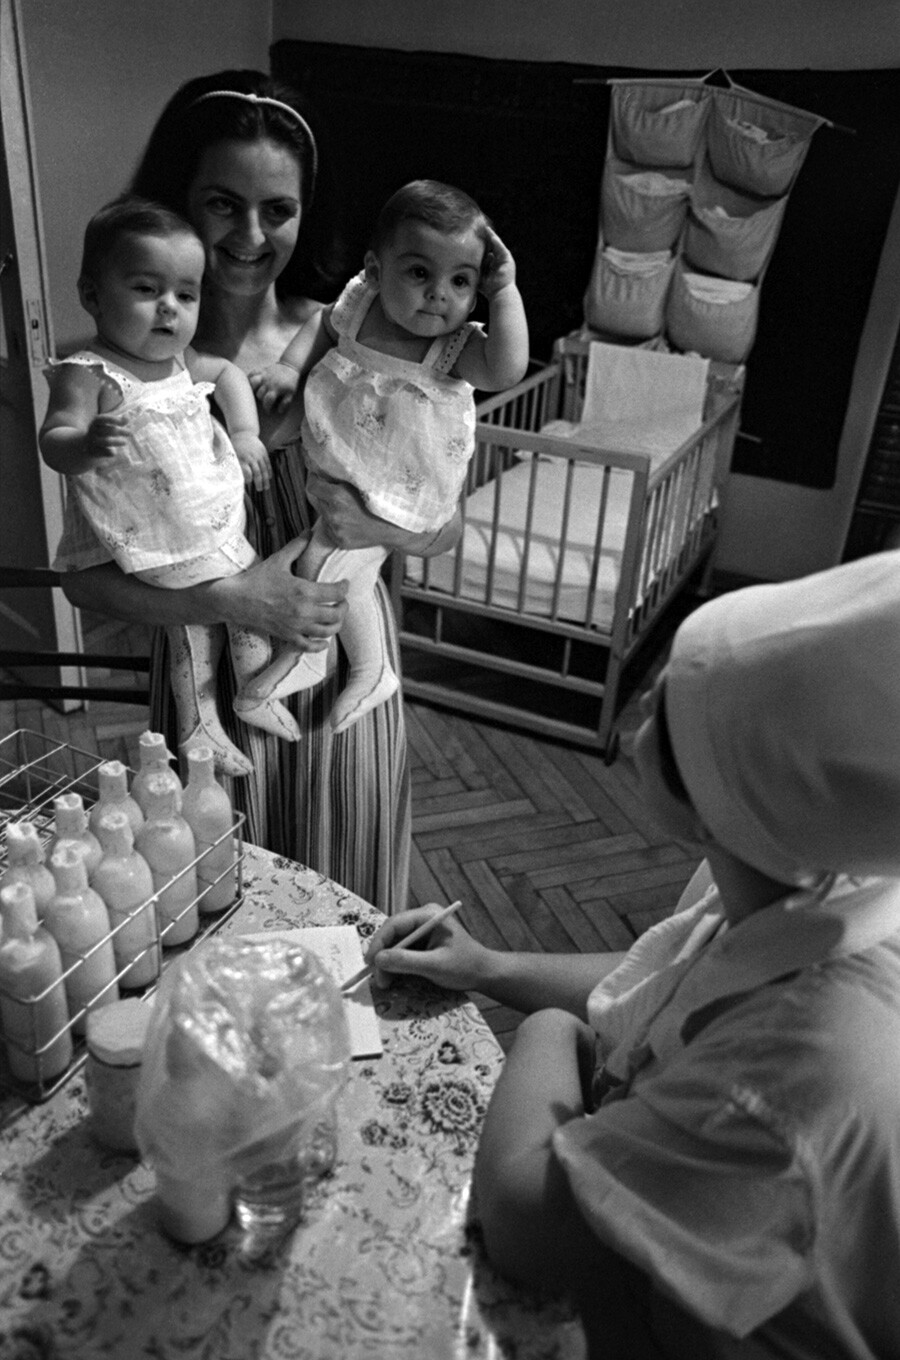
155, 483
392, 368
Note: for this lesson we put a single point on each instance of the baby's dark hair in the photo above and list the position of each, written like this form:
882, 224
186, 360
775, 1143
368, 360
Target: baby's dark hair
437, 205
127, 215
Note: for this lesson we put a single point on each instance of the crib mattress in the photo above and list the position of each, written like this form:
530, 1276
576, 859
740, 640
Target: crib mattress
540, 571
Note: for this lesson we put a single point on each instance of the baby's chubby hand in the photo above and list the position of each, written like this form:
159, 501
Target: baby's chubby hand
499, 268
274, 387
253, 458
104, 437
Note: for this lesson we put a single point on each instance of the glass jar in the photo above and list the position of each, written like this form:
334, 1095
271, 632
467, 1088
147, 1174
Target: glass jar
115, 1042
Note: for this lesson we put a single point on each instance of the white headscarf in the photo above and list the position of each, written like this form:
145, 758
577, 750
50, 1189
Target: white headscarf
783, 703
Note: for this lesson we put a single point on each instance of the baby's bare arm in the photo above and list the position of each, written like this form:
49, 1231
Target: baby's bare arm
499, 359
75, 435
234, 396
276, 386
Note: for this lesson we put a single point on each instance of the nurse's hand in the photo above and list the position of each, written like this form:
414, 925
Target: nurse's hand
447, 955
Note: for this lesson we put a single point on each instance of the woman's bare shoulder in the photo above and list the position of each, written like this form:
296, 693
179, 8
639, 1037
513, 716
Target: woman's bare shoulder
297, 311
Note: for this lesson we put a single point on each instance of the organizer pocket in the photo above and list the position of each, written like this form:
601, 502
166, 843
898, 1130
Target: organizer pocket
659, 125
730, 233
712, 317
642, 210
626, 294
756, 147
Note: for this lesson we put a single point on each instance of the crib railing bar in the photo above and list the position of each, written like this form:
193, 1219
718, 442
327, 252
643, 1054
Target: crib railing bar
598, 547
529, 522
523, 670
495, 525
563, 538
458, 557
505, 614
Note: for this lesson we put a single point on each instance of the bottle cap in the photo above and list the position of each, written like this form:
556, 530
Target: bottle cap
152, 746
68, 866
114, 830
116, 1033
162, 793
18, 909
24, 843
112, 778
199, 755
70, 814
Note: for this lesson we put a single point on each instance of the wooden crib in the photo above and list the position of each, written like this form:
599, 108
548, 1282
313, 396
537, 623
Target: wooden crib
569, 556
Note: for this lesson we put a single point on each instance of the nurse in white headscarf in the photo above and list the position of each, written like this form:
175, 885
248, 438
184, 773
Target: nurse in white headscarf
736, 1171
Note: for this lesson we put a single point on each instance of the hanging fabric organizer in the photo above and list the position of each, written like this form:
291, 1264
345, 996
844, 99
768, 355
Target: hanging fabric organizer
695, 184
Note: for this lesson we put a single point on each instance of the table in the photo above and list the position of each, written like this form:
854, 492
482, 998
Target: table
387, 1263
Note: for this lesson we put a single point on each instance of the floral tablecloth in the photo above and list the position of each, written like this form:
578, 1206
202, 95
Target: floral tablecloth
387, 1263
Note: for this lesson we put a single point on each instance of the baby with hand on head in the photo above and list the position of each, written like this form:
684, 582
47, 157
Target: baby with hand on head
390, 372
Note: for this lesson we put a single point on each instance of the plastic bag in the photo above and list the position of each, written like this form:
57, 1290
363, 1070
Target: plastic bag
245, 1055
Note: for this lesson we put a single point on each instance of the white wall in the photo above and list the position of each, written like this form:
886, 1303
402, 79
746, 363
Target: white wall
100, 72
670, 34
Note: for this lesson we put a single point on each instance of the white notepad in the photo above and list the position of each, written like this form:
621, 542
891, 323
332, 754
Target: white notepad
340, 951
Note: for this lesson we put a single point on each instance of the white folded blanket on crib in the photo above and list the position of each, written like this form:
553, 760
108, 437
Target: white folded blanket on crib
638, 400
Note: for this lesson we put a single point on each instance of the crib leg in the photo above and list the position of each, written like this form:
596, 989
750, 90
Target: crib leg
611, 750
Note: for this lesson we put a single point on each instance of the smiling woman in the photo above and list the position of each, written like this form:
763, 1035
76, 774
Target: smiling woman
235, 153
245, 204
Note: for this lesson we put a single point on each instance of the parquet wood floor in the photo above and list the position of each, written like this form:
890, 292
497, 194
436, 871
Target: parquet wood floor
548, 848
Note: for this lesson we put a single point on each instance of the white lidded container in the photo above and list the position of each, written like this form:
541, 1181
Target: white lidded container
115, 1044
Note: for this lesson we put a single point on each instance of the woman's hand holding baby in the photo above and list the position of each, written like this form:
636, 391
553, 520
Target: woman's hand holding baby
351, 525
268, 597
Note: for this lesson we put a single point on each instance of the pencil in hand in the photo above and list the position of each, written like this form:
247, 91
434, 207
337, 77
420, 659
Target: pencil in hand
419, 933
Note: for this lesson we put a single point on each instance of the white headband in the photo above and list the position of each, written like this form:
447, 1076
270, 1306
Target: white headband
275, 104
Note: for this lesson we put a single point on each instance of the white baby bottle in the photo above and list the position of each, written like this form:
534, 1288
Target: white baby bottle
25, 864
208, 812
71, 825
124, 881
154, 760
112, 780
33, 998
79, 922
167, 844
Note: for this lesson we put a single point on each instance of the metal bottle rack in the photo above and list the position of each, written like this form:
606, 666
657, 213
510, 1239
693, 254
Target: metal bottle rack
34, 771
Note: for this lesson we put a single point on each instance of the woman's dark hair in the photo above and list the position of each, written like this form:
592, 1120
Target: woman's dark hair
437, 205
127, 215
186, 129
